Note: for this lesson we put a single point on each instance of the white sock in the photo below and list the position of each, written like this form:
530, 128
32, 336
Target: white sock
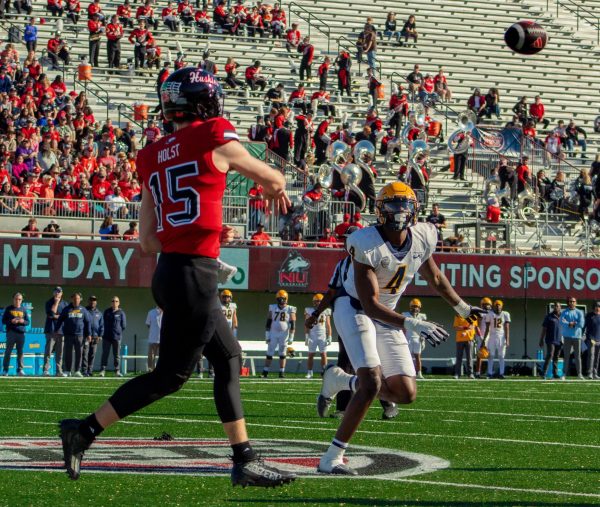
310, 372
281, 370
353, 383
336, 451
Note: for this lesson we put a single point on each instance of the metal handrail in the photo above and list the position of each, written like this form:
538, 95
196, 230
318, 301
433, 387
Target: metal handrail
87, 90
311, 17
577, 9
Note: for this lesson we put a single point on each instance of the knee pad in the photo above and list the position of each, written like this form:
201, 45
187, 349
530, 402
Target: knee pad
269, 358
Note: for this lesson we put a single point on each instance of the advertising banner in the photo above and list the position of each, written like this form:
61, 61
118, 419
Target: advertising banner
122, 264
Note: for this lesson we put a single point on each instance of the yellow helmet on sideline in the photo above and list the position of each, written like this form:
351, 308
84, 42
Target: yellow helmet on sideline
281, 294
415, 302
485, 301
226, 293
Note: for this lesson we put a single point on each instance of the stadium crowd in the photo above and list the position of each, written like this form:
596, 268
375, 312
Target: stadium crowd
57, 159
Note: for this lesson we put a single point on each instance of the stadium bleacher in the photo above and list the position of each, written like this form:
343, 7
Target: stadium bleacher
473, 56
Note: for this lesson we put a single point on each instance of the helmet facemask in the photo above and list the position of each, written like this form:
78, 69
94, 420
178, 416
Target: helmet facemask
398, 213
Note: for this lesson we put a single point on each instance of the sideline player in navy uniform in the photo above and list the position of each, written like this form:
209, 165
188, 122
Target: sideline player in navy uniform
184, 176
385, 258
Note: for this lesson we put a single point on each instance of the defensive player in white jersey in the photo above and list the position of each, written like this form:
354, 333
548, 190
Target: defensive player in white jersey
318, 336
416, 342
497, 323
385, 258
281, 324
229, 309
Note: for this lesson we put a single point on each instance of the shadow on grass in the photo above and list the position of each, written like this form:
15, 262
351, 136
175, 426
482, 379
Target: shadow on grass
396, 503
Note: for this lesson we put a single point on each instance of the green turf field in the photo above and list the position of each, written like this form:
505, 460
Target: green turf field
512, 442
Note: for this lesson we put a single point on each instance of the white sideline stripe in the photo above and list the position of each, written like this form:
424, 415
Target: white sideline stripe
506, 414
529, 400
500, 488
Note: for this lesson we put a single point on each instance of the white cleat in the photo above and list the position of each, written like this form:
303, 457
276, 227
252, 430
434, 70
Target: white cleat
309, 375
327, 466
77, 374
102, 373
334, 380
420, 375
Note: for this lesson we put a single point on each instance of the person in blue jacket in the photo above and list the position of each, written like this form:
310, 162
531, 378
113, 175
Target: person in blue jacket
91, 344
76, 321
30, 35
16, 319
115, 322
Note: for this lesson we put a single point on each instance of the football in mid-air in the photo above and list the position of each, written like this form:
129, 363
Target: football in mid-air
526, 37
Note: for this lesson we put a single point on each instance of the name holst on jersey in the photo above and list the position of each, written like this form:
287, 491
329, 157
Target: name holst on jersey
167, 154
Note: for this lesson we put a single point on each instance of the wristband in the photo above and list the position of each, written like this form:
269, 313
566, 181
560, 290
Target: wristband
463, 309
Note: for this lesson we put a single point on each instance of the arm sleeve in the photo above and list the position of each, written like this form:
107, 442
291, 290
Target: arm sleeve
87, 323
222, 132
101, 326
123, 321
62, 317
26, 317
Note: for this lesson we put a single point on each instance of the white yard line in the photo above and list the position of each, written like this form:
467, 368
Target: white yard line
489, 487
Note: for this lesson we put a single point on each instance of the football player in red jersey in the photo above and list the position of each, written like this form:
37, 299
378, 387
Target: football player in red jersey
184, 177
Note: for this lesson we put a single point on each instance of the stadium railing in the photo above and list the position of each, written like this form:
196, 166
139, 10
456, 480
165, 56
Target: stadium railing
579, 11
312, 21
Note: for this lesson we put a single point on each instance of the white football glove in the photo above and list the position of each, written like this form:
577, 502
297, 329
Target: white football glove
306, 340
267, 337
329, 340
432, 332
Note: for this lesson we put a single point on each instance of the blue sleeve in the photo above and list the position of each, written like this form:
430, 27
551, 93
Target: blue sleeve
62, 317
6, 316
25, 317
105, 330
581, 319
49, 312
101, 325
123, 321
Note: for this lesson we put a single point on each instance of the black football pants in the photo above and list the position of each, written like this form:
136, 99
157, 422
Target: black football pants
185, 287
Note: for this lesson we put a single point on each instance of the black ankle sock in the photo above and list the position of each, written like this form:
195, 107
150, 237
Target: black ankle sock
242, 453
90, 427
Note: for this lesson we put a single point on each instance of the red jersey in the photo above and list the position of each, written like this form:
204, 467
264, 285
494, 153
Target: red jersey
144, 11
186, 186
93, 9
114, 31
124, 11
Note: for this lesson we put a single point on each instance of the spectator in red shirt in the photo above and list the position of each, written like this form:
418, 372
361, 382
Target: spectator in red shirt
298, 240
328, 240
231, 69
278, 21
186, 12
254, 77
73, 10
26, 199
529, 129
96, 29
146, 12
101, 188
114, 34
254, 23
131, 234
427, 90
139, 37
260, 237
523, 174
323, 71
256, 202
293, 38
170, 17
202, 20
441, 86
340, 229
56, 7
493, 211
153, 53
537, 111
356, 220
151, 133
95, 9
124, 13
57, 48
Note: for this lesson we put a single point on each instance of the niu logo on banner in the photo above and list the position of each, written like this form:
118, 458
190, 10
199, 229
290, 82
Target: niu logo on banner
538, 43
294, 270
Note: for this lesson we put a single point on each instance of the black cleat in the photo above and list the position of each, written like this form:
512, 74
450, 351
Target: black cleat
256, 473
74, 445
389, 412
323, 405
265, 374
281, 374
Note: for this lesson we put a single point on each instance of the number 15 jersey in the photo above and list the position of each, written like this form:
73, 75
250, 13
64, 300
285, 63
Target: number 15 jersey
186, 187
394, 268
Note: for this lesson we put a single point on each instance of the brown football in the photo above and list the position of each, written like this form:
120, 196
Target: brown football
526, 37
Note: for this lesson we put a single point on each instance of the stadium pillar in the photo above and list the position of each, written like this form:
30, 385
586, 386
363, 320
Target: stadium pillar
525, 287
